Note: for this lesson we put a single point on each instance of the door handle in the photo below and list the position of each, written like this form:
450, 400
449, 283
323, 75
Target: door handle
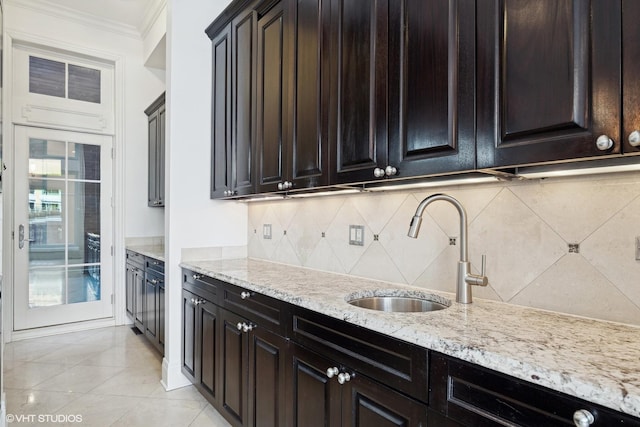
21, 238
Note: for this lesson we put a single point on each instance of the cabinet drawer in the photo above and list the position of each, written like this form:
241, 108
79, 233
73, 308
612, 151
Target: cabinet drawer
396, 363
135, 259
474, 396
201, 285
155, 265
265, 311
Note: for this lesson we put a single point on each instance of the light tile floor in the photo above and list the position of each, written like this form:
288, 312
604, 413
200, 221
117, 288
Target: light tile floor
108, 377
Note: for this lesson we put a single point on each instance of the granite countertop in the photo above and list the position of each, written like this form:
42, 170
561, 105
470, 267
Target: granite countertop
152, 251
593, 360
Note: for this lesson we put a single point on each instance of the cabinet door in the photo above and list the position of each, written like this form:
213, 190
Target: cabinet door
221, 114
267, 384
139, 317
630, 73
271, 98
315, 399
233, 376
152, 180
130, 288
189, 320
308, 150
151, 308
243, 42
548, 80
161, 308
431, 86
160, 155
368, 403
207, 349
358, 111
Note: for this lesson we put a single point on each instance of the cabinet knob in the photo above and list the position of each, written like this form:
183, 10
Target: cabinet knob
239, 326
331, 372
583, 418
197, 276
193, 301
634, 138
604, 143
344, 377
154, 281
281, 186
248, 327
378, 172
245, 295
390, 170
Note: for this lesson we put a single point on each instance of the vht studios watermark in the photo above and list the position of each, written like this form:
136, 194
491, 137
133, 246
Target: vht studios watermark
43, 418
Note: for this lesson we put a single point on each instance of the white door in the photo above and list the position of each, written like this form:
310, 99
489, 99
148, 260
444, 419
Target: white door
63, 227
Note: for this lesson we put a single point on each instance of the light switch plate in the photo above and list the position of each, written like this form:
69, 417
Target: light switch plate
356, 235
266, 231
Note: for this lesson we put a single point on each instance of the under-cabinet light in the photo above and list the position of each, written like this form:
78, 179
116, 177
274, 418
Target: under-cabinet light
542, 172
435, 183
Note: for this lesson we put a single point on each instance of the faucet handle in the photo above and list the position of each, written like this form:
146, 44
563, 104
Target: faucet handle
481, 279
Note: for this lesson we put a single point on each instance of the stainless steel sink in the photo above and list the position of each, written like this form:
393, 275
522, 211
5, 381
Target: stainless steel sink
397, 304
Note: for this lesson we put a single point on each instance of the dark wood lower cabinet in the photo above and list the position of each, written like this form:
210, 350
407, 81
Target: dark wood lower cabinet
312, 370
145, 296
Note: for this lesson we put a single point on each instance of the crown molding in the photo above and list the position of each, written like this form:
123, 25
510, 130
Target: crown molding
49, 7
151, 14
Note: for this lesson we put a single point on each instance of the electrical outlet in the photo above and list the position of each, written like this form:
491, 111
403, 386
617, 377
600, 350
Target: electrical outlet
356, 235
266, 231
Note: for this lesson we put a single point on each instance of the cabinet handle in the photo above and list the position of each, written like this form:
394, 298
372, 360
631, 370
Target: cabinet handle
197, 276
604, 143
245, 295
244, 327
634, 138
154, 281
390, 170
378, 172
344, 377
331, 372
583, 418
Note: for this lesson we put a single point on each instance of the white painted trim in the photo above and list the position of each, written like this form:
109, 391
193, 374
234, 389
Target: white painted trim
62, 329
119, 63
172, 376
151, 16
93, 22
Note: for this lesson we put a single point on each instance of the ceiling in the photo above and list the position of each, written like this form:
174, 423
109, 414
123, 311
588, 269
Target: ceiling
128, 12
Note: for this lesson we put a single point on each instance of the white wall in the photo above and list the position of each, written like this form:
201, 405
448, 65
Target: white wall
192, 219
141, 87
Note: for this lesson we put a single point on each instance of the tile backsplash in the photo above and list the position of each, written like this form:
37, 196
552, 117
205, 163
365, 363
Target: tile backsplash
524, 228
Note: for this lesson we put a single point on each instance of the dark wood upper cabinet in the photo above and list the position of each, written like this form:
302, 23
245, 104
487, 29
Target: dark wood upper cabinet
431, 86
404, 88
156, 132
358, 111
548, 80
630, 73
271, 99
221, 114
308, 149
233, 108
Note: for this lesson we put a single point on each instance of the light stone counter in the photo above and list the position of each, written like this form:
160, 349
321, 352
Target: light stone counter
593, 360
153, 251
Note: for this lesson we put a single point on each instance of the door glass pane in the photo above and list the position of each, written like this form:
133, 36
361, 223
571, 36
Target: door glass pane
46, 286
64, 223
46, 222
84, 161
47, 77
46, 158
84, 84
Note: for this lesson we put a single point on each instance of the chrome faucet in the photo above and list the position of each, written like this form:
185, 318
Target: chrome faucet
465, 277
